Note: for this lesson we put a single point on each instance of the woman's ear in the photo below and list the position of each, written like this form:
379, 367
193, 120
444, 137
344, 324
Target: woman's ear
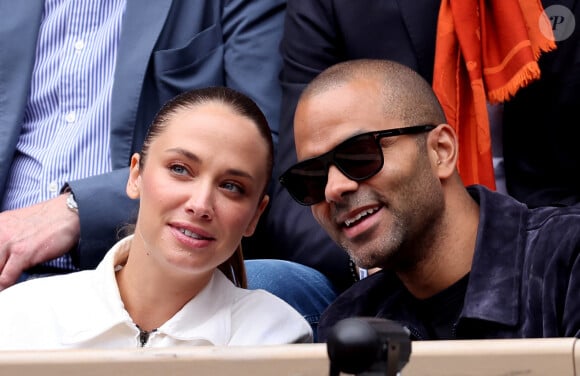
134, 177
254, 222
443, 150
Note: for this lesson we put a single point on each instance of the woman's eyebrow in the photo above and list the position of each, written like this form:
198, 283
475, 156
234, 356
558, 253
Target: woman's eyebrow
193, 157
239, 173
187, 154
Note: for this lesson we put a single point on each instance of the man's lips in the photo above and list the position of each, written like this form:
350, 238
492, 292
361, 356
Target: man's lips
358, 216
360, 222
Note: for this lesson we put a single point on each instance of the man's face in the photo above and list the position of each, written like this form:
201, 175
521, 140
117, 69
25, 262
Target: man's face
374, 219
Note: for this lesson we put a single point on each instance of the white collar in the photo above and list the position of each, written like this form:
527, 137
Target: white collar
207, 316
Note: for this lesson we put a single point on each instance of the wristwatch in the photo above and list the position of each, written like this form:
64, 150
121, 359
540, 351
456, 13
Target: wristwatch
71, 203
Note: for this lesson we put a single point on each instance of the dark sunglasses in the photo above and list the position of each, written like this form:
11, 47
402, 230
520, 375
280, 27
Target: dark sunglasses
358, 158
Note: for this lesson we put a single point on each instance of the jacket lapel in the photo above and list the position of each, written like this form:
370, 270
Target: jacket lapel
142, 24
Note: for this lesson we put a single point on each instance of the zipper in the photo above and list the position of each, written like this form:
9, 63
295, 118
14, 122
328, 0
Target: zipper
144, 335
415, 335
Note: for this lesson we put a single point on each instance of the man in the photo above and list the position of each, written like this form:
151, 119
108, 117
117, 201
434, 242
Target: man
80, 83
545, 111
378, 168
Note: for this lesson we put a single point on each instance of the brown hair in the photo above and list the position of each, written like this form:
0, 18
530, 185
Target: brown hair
233, 267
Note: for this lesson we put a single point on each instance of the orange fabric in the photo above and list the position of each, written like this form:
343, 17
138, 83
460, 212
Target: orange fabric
486, 50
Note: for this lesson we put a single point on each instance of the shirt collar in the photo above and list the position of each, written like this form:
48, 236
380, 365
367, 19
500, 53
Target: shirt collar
495, 277
205, 317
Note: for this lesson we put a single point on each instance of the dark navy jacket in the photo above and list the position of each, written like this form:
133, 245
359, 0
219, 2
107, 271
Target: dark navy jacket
524, 281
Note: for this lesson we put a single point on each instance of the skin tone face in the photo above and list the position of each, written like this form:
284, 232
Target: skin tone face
200, 191
396, 212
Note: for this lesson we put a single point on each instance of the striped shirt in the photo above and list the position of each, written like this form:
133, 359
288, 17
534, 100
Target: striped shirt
66, 126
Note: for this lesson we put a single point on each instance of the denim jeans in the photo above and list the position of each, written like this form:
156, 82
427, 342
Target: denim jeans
304, 288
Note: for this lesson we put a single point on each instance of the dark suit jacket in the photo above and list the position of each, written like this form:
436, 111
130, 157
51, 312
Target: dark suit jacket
541, 124
166, 47
318, 34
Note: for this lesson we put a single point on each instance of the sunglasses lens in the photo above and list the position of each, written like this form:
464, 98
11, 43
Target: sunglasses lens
306, 182
359, 158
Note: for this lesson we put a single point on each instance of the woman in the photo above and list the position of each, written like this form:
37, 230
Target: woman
201, 179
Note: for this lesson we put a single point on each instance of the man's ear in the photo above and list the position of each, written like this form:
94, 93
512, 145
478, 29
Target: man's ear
443, 150
133, 183
254, 222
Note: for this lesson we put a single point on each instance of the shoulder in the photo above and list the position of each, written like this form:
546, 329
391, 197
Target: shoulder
553, 215
45, 290
258, 299
32, 311
555, 228
45, 298
504, 216
260, 317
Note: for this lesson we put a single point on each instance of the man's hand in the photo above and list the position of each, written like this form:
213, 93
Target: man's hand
35, 234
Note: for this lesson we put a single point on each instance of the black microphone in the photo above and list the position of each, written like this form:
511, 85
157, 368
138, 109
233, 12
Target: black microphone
368, 346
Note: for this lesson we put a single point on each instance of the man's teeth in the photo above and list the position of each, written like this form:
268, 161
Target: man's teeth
191, 234
360, 215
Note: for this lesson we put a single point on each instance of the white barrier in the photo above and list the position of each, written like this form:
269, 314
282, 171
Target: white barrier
513, 357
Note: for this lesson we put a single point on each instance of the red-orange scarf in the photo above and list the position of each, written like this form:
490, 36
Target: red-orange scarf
486, 50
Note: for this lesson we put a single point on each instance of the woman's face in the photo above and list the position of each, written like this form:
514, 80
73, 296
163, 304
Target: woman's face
199, 188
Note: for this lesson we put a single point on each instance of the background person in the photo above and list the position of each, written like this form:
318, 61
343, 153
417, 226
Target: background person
85, 80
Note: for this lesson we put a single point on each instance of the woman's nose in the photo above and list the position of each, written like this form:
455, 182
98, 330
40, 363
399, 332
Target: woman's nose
200, 202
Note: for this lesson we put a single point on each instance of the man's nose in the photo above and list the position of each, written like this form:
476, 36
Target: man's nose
338, 185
